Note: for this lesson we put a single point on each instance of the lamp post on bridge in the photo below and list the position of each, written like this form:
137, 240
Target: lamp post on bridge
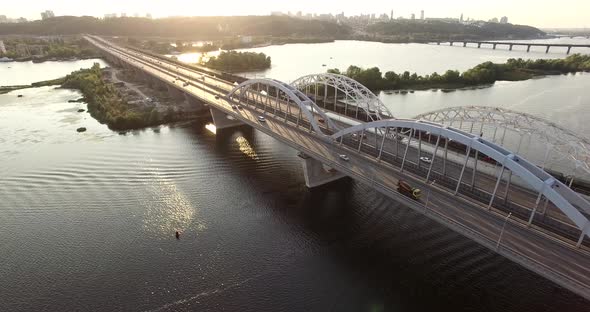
502, 231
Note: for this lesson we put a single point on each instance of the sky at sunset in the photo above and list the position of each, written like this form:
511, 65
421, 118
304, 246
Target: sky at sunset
540, 13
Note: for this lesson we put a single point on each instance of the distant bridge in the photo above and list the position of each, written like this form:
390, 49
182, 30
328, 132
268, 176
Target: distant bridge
510, 45
469, 183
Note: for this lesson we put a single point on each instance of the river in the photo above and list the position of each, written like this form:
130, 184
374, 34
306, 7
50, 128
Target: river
88, 219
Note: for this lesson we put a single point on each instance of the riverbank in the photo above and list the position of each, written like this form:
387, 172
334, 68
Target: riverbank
43, 49
482, 75
53, 82
117, 101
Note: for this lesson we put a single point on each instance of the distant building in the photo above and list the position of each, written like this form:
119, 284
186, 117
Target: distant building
276, 13
47, 14
148, 15
123, 14
391, 16
461, 19
422, 15
246, 39
2, 47
112, 15
494, 20
504, 20
413, 16
3, 19
21, 20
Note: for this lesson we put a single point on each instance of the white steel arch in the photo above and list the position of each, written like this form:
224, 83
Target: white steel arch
555, 144
564, 198
305, 104
354, 92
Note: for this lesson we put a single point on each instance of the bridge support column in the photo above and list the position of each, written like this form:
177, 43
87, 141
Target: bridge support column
494, 46
528, 48
438, 43
316, 173
547, 51
451, 43
510, 49
464, 44
479, 45
222, 120
569, 49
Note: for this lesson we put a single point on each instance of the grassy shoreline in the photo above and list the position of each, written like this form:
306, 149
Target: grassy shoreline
481, 75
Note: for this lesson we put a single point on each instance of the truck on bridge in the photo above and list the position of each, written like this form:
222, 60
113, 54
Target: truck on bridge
406, 189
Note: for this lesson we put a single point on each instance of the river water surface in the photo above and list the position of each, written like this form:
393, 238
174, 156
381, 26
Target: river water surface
87, 223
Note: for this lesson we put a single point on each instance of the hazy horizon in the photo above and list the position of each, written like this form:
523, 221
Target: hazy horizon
542, 13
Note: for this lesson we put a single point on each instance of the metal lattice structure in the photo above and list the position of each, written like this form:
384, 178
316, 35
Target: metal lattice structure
541, 141
348, 93
283, 98
569, 202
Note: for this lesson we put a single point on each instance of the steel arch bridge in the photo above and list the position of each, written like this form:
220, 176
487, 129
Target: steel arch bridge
552, 145
287, 100
284, 98
569, 202
356, 96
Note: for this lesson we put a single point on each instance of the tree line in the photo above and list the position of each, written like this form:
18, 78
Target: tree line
234, 61
484, 73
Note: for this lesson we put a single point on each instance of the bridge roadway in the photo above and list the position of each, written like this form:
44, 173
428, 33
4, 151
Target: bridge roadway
526, 44
536, 250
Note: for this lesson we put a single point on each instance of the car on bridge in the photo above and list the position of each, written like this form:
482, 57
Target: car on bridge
425, 159
261, 119
344, 157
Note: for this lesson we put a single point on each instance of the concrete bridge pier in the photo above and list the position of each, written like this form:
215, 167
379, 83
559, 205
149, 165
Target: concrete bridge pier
451, 43
495, 46
438, 43
569, 49
510, 49
479, 45
547, 51
316, 173
464, 44
222, 121
528, 48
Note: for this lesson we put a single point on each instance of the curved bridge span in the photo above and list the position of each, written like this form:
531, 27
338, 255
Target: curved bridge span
466, 180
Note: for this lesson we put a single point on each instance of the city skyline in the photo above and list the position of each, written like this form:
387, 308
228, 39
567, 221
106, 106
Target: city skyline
564, 14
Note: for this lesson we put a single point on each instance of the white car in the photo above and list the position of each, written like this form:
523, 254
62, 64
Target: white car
425, 159
344, 157
261, 119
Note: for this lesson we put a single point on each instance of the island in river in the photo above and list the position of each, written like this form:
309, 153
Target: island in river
481, 75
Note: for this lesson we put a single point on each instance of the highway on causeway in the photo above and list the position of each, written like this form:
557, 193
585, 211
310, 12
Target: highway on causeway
537, 249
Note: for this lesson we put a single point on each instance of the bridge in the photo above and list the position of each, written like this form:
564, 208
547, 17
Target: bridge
510, 45
470, 184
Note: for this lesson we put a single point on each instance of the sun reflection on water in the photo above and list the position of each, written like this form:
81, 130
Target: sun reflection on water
246, 148
168, 210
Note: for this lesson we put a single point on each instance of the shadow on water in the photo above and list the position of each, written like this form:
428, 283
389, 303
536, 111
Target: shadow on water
392, 258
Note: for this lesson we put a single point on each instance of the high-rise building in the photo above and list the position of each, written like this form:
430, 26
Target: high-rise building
422, 14
461, 19
413, 16
504, 20
391, 16
47, 14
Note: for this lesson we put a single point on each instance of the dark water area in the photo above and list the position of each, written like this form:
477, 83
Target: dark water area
87, 223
